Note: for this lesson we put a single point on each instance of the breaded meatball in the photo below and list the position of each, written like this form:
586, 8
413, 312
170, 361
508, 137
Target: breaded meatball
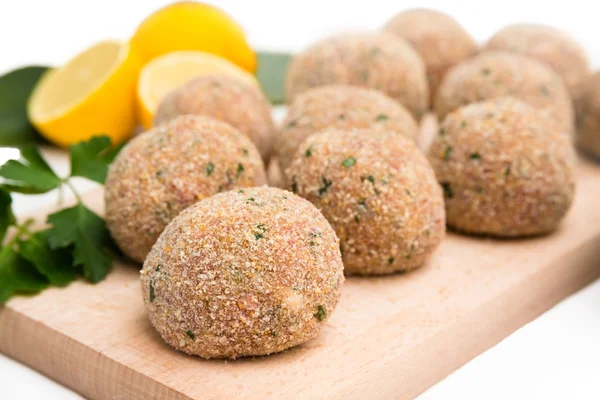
225, 98
587, 103
379, 193
497, 74
438, 38
505, 171
243, 273
375, 60
339, 106
164, 170
547, 44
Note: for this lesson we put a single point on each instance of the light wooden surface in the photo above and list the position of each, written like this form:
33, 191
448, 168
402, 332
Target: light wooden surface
390, 337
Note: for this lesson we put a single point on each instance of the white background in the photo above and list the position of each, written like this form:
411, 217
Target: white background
555, 357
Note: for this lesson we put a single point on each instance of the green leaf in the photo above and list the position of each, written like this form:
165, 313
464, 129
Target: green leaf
54, 264
17, 275
87, 232
7, 218
15, 89
271, 74
91, 159
30, 174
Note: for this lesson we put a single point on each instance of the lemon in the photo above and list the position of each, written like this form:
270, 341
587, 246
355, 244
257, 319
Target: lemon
94, 93
193, 26
169, 72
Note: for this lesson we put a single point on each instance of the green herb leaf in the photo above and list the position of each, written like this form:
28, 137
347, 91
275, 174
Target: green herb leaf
382, 117
349, 162
30, 174
7, 218
54, 264
271, 74
15, 89
475, 156
191, 334
17, 275
90, 159
80, 227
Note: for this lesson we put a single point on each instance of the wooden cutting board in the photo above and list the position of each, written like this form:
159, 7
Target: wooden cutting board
390, 337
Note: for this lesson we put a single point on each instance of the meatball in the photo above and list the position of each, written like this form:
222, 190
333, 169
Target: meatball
505, 171
587, 104
339, 106
437, 37
548, 45
227, 99
163, 171
497, 74
373, 60
379, 193
243, 273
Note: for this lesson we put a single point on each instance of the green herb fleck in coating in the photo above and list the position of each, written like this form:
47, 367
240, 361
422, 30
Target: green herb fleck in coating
152, 294
447, 153
321, 313
210, 168
349, 162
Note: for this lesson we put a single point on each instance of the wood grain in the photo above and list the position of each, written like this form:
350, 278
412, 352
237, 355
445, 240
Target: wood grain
390, 337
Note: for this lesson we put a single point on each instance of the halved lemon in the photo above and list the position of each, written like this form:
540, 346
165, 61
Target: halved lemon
168, 72
93, 94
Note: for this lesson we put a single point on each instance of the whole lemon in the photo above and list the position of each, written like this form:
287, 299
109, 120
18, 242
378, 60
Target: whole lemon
193, 26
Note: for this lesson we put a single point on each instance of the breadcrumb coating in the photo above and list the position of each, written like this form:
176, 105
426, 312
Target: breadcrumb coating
379, 193
244, 273
547, 44
375, 60
498, 74
161, 172
438, 38
343, 107
227, 99
505, 171
587, 102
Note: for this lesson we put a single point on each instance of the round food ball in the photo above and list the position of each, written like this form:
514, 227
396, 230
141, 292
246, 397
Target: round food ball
167, 169
438, 38
587, 103
375, 60
497, 74
505, 171
339, 106
549, 45
243, 273
225, 98
379, 193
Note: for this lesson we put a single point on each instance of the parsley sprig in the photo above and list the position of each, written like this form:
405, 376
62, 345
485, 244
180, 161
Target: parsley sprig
76, 243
